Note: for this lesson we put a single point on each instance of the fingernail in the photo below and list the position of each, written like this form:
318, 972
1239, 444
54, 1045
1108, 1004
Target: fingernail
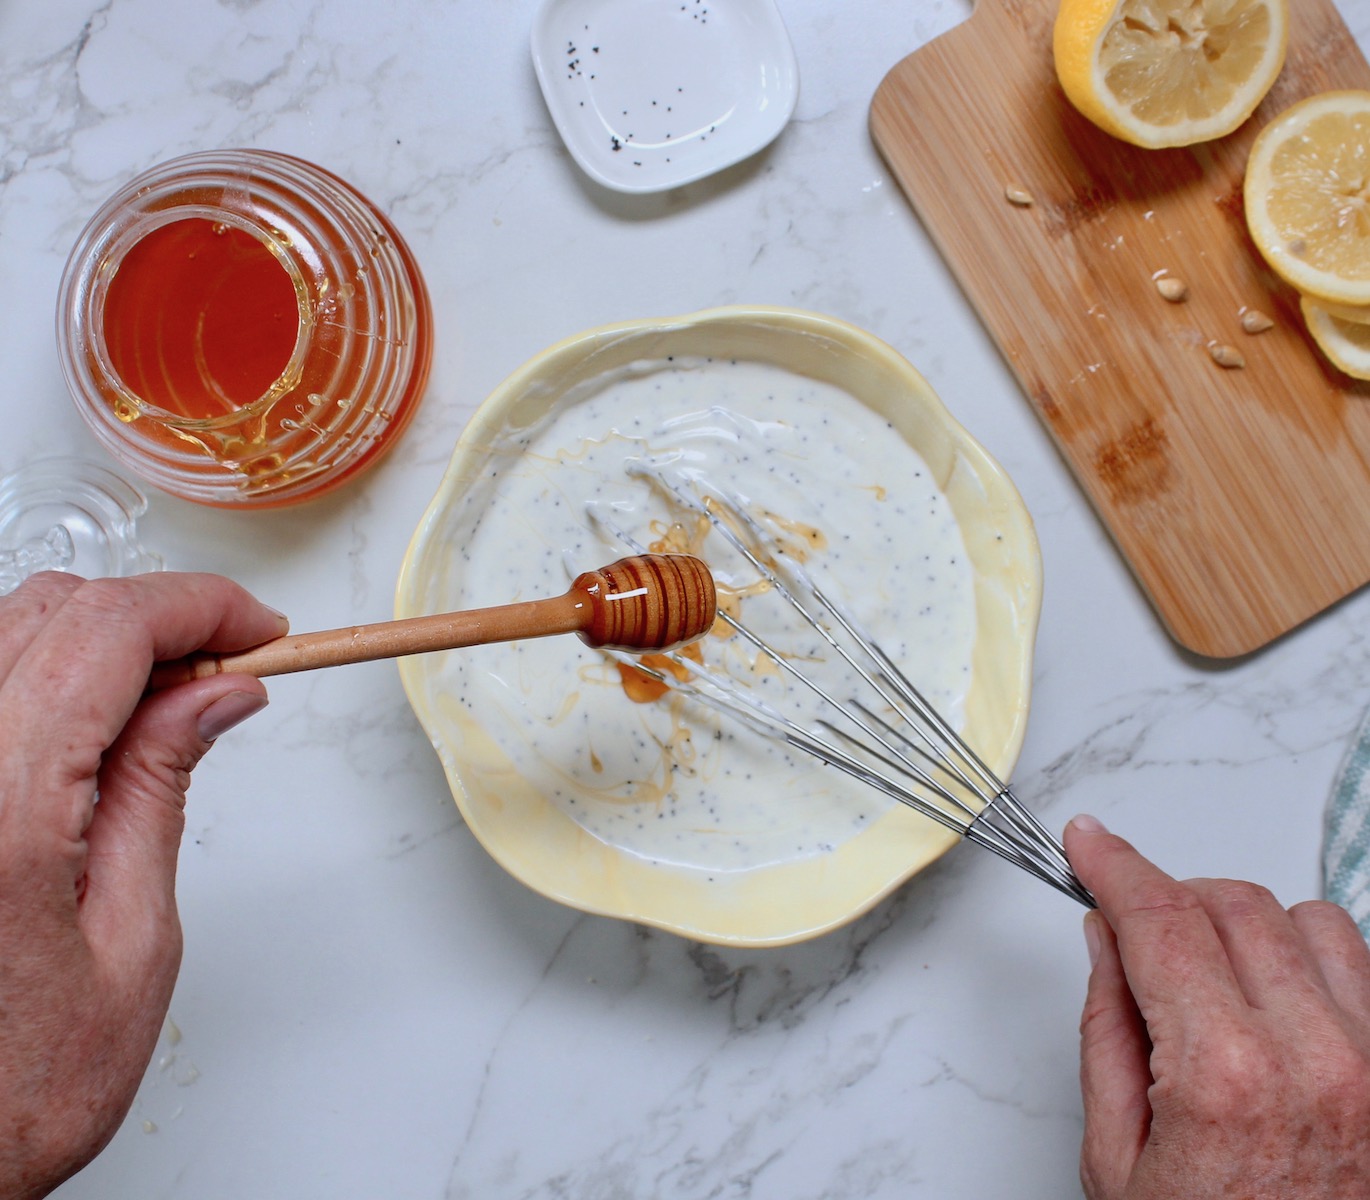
1087, 824
1092, 943
228, 711
280, 616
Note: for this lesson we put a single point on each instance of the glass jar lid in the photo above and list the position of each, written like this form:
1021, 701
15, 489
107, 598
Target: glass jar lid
70, 514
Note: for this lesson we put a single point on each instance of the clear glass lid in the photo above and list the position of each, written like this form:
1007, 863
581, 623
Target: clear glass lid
70, 514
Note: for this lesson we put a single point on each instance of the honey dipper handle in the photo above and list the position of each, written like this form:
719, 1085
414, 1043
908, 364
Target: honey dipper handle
384, 639
644, 602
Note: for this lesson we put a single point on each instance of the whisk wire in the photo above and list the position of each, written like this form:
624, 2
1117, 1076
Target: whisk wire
1002, 796
725, 697
1012, 839
948, 782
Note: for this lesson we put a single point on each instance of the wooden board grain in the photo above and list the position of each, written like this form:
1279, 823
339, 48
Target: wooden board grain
1240, 498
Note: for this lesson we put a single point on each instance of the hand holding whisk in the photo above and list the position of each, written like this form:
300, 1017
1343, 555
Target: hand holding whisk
902, 746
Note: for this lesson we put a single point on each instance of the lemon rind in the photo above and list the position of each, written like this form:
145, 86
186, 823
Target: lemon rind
1352, 314
1322, 326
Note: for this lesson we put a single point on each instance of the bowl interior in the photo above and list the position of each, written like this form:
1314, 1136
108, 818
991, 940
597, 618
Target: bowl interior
535, 839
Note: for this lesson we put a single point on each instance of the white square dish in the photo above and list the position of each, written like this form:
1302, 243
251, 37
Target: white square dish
652, 94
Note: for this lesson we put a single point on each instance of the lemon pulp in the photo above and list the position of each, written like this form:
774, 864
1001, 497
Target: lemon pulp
1308, 196
1169, 72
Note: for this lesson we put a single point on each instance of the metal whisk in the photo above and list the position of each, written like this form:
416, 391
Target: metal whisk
906, 750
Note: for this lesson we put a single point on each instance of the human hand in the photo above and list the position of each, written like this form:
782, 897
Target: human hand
1225, 1041
90, 942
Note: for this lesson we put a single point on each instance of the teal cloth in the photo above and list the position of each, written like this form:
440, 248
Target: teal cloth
1346, 832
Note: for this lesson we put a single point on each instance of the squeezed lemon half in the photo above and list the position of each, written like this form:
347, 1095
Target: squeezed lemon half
1169, 72
1307, 196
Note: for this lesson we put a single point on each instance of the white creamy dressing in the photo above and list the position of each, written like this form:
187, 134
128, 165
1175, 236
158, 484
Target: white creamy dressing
671, 781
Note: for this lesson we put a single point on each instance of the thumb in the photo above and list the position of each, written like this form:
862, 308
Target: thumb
1114, 1068
128, 901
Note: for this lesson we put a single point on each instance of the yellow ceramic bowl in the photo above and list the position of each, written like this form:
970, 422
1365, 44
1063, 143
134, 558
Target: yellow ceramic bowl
771, 905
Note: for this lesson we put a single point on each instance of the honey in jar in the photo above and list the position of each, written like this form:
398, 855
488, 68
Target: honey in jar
244, 329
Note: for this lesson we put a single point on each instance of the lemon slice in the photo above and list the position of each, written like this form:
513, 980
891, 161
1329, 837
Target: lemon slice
1346, 343
1357, 314
1169, 72
1307, 196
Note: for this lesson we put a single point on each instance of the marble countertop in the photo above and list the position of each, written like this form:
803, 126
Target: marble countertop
369, 1006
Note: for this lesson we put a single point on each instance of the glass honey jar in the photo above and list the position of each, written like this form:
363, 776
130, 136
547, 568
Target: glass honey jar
244, 329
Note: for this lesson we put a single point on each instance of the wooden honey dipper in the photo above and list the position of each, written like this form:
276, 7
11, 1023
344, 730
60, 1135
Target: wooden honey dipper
645, 602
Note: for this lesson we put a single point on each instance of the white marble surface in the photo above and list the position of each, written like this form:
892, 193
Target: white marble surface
369, 1006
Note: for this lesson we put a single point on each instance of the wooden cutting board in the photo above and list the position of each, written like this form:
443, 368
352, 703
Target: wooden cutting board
1240, 497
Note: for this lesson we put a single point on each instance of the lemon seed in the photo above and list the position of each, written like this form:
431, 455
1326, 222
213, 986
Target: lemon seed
1172, 289
1226, 356
1255, 321
1019, 196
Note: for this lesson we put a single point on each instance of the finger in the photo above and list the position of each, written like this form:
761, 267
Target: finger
1341, 954
128, 907
1269, 957
178, 611
89, 665
1114, 1071
1173, 957
27, 609
91, 660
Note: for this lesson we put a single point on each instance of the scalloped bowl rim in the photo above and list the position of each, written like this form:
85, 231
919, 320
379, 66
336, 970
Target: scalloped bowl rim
779, 904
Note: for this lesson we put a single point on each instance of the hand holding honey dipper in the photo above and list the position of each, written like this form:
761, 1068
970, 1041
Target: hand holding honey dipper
93, 778
94, 768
